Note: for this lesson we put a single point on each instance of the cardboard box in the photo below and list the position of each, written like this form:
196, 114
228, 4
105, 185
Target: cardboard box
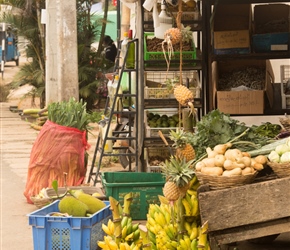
243, 102
232, 26
271, 30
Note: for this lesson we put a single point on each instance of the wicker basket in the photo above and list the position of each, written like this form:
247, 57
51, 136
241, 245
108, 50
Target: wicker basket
41, 202
285, 122
220, 182
280, 169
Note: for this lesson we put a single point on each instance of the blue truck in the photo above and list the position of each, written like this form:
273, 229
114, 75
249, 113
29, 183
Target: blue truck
8, 45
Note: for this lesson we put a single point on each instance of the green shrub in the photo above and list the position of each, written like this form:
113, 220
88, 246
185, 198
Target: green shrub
4, 92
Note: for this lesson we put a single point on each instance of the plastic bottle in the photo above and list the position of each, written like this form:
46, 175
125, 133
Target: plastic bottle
124, 48
108, 147
130, 62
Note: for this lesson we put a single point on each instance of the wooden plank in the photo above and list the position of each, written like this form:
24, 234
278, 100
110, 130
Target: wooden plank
253, 231
248, 204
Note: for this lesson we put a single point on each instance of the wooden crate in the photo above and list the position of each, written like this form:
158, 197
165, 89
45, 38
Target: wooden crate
246, 212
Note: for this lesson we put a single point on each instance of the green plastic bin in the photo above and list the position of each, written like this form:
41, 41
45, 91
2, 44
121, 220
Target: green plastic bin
145, 188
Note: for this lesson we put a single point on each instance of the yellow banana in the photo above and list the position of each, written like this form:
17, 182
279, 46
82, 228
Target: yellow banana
169, 246
183, 244
106, 229
194, 231
172, 229
168, 232
188, 198
129, 237
192, 192
187, 226
187, 241
103, 245
124, 232
163, 200
111, 227
151, 221
174, 243
187, 207
113, 245
195, 208
161, 219
192, 181
107, 240
152, 237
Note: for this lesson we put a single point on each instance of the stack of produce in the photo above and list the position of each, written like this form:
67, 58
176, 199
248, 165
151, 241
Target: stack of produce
224, 161
177, 226
80, 204
121, 232
39, 117
279, 159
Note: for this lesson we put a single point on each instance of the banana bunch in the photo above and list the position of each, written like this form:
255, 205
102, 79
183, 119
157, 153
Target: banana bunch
190, 200
166, 230
162, 232
121, 232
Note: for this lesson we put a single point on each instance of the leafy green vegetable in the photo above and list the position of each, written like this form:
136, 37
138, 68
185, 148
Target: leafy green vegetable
218, 128
70, 113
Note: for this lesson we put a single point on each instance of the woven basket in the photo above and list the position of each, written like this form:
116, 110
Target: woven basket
220, 182
280, 169
41, 202
285, 123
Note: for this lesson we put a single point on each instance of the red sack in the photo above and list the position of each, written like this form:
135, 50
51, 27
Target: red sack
57, 150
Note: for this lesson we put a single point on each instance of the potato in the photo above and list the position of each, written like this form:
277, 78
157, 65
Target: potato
233, 172
217, 171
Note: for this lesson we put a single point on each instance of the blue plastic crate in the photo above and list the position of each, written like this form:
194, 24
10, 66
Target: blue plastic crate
67, 233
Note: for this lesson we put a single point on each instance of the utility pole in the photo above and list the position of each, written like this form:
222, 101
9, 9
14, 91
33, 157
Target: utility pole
61, 51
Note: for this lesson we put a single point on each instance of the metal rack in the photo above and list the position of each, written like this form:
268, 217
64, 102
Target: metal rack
126, 129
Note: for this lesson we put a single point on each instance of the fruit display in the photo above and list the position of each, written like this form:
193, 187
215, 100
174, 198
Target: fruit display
177, 225
223, 160
183, 148
159, 120
121, 232
80, 204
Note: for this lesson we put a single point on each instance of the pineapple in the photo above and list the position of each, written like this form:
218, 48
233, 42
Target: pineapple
174, 35
183, 148
184, 96
178, 174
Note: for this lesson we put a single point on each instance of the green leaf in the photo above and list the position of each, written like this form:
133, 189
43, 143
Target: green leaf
54, 185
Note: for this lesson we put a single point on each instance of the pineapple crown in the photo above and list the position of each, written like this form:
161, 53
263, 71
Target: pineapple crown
179, 138
178, 170
186, 33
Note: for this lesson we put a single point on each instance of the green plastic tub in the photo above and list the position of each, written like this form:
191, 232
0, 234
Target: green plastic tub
145, 187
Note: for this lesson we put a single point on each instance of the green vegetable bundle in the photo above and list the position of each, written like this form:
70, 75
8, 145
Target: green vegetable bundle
70, 113
218, 128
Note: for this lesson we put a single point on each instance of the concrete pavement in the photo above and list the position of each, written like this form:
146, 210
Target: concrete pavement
16, 141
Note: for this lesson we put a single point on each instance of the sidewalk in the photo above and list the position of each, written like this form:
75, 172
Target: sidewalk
16, 141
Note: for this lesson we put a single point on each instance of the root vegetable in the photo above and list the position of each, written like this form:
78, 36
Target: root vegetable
262, 159
210, 153
233, 172
256, 165
246, 160
221, 148
199, 165
219, 160
247, 170
209, 162
229, 165
233, 154
217, 171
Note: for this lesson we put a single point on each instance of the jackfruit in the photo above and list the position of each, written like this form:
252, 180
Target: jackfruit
72, 206
94, 204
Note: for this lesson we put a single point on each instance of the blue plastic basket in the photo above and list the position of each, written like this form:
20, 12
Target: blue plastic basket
67, 233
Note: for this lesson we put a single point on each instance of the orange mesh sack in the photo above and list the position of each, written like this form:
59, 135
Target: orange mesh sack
57, 149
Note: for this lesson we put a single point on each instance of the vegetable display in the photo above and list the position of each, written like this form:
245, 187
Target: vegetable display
218, 128
281, 153
226, 161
